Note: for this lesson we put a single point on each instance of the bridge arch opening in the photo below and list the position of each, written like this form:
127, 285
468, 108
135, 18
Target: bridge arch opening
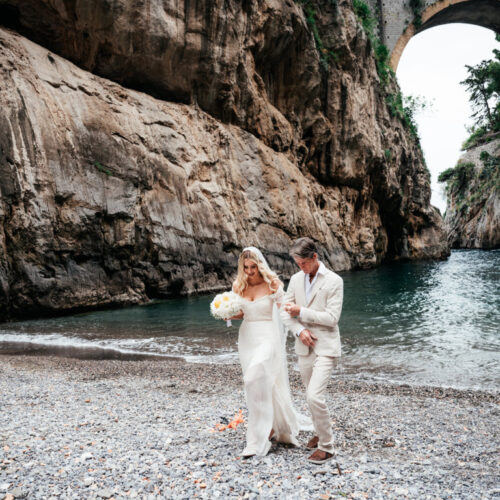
485, 13
432, 66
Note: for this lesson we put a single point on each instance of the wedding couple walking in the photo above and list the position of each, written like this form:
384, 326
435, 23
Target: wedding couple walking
310, 309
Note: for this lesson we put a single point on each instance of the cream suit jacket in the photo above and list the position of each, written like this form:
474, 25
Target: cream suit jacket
320, 315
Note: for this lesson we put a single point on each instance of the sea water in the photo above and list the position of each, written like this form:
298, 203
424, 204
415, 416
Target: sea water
424, 323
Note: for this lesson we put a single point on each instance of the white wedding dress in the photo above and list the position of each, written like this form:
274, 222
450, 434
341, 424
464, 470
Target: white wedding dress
261, 346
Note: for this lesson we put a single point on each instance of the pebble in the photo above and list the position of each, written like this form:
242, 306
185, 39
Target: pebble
319, 472
18, 493
104, 493
143, 435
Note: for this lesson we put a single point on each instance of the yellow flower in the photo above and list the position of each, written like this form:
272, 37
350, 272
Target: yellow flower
217, 304
225, 298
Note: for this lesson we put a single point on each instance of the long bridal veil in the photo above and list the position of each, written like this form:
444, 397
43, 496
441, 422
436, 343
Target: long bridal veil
289, 415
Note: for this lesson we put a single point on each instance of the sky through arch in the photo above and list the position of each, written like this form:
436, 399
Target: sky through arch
433, 65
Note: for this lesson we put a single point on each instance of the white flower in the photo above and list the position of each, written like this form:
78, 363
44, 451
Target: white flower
225, 305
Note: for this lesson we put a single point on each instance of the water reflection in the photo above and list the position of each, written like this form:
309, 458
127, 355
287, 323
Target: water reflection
423, 323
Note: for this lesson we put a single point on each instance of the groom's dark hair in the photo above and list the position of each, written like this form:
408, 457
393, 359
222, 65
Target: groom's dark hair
303, 248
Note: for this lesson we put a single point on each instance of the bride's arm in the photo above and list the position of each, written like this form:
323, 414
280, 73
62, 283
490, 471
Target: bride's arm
237, 316
292, 324
278, 292
276, 288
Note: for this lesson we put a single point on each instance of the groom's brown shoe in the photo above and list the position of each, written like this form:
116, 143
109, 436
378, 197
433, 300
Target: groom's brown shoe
320, 457
312, 443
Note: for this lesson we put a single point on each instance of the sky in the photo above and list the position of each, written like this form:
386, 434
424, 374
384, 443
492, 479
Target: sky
432, 66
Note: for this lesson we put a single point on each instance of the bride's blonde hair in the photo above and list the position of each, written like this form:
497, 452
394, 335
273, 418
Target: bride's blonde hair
241, 283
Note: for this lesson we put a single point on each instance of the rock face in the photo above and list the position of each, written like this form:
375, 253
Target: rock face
241, 136
472, 218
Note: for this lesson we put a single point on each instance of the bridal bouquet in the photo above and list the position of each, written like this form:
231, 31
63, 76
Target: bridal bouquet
225, 305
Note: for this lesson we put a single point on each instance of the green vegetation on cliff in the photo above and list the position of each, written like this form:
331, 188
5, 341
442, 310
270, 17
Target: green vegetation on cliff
399, 106
369, 23
473, 185
483, 85
468, 186
417, 6
325, 55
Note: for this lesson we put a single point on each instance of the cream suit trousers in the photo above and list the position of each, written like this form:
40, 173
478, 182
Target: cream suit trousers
316, 372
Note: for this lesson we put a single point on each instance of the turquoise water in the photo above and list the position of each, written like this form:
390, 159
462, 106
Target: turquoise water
419, 323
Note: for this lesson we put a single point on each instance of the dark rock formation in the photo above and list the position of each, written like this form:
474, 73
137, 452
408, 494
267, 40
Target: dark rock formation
113, 196
472, 217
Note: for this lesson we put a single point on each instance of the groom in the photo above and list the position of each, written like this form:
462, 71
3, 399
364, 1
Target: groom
313, 302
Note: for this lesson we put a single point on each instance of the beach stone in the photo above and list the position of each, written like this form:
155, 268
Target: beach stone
105, 493
319, 472
19, 493
135, 467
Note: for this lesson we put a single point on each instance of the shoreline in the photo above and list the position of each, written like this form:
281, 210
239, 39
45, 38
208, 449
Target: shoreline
146, 428
102, 354
110, 363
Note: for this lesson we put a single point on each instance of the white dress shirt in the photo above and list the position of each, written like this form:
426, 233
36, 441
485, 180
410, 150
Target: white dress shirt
308, 286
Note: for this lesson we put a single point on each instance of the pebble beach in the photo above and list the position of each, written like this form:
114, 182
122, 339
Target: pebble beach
147, 428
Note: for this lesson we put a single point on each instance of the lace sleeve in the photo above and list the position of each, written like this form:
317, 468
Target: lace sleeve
278, 296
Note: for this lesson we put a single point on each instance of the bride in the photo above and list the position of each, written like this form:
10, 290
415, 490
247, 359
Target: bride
261, 347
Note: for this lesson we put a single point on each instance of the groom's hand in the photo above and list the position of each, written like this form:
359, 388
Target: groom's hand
292, 309
307, 338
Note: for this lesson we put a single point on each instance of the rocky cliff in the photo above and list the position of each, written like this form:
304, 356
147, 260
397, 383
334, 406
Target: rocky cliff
472, 218
143, 144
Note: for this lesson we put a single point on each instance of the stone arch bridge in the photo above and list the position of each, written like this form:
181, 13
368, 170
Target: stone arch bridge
399, 19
